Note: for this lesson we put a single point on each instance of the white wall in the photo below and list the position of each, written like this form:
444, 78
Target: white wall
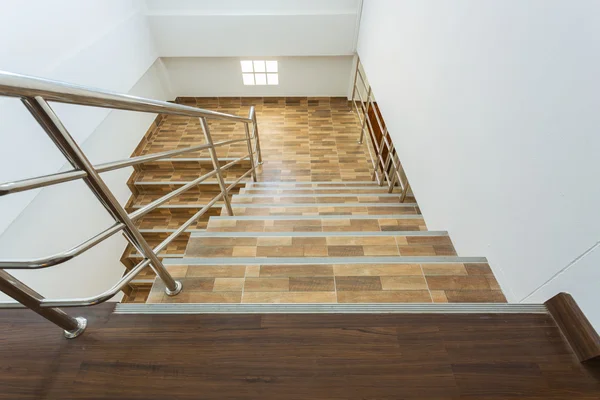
100, 43
231, 28
493, 106
222, 76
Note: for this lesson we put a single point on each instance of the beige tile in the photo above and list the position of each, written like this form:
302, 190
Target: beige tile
228, 284
410, 282
315, 251
252, 271
388, 296
177, 271
361, 241
377, 270
279, 251
274, 241
380, 250
244, 251
204, 297
444, 269
439, 296
335, 222
266, 285
289, 297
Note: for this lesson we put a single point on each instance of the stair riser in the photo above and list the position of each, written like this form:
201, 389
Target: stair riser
324, 210
173, 218
199, 167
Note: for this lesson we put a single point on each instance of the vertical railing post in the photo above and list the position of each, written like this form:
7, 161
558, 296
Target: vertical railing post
50, 122
216, 166
25, 295
250, 152
355, 77
256, 136
366, 115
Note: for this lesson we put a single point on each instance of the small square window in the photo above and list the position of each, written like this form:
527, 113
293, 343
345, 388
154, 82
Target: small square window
247, 66
261, 79
259, 72
271, 66
248, 79
259, 66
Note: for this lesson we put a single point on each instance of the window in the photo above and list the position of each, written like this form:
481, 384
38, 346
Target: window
260, 72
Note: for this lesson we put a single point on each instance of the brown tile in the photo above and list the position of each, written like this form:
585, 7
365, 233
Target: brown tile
266, 285
475, 296
309, 241
470, 282
478, 269
198, 284
388, 296
311, 284
295, 270
357, 283
225, 271
244, 251
493, 282
177, 271
315, 251
289, 297
381, 250
345, 251
409, 282
228, 284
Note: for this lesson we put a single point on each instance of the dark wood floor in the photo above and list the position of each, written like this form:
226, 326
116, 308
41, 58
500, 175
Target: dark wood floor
290, 357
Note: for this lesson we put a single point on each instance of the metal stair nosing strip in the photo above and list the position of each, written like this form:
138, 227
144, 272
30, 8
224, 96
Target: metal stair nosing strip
320, 195
314, 217
332, 308
199, 261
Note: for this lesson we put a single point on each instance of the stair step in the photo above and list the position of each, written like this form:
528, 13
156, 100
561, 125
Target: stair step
325, 223
322, 244
334, 308
302, 261
317, 184
187, 163
316, 198
312, 191
318, 209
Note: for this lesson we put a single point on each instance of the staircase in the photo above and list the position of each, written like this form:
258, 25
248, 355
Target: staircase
324, 242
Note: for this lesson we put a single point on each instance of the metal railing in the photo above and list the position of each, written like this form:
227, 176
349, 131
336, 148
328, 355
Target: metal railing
35, 94
387, 168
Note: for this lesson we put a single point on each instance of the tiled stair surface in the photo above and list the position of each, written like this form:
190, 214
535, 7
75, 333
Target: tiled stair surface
309, 251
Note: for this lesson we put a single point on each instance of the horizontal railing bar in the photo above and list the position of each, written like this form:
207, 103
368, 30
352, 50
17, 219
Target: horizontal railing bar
102, 297
156, 156
187, 223
149, 207
40, 181
17, 85
234, 162
61, 177
64, 256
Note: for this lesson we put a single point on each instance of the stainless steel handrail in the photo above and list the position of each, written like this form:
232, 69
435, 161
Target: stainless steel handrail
384, 170
17, 85
34, 94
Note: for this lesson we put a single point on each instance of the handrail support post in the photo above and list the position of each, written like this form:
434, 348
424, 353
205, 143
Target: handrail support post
216, 166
